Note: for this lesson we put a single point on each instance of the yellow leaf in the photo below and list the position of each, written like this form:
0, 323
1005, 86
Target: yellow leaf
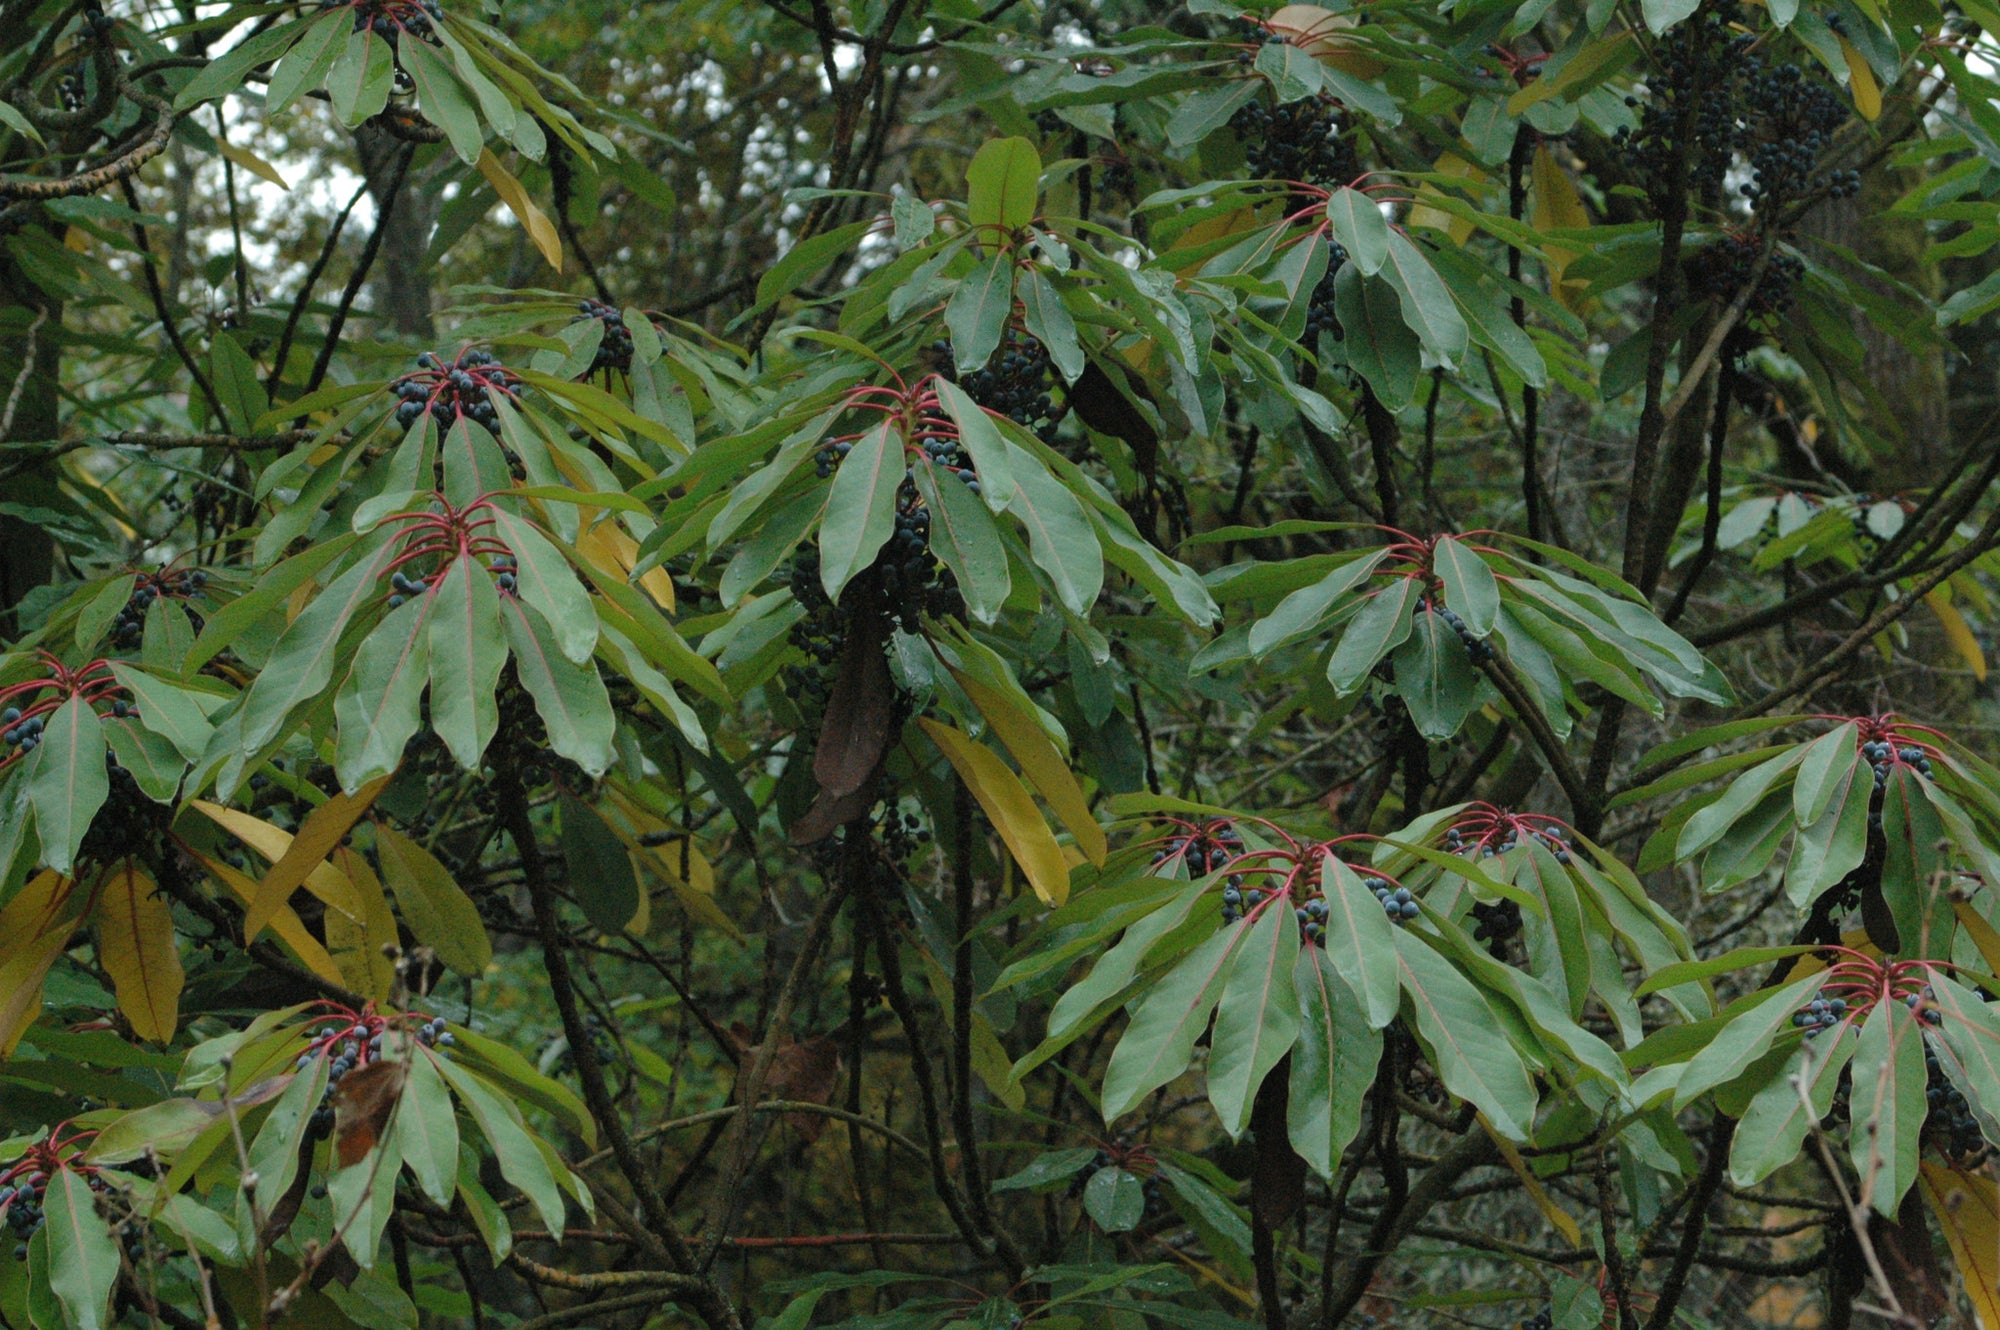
322, 830
1011, 808
1544, 1202
610, 550
694, 888
252, 163
1436, 218
1983, 936
540, 229
1957, 632
1861, 84
440, 914
77, 240
1039, 762
34, 926
1558, 208
291, 930
135, 944
369, 935
1322, 34
1968, 1210
1201, 233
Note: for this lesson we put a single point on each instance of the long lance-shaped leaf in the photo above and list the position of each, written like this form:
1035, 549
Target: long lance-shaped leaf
1011, 810
1775, 1125
380, 707
1258, 1020
468, 651
1473, 1055
1359, 941
302, 661
1967, 1208
1333, 1064
1040, 763
1159, 1043
860, 507
1887, 1105
316, 837
67, 782
136, 946
83, 1256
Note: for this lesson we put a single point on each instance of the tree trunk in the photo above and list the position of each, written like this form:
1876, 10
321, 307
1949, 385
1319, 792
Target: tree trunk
400, 289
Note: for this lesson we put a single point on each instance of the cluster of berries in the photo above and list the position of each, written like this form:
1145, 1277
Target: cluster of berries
1237, 900
1882, 757
1541, 1320
22, 733
70, 89
1478, 648
1492, 845
128, 629
601, 1044
1950, 1125
1303, 141
1397, 902
1923, 1005
1820, 1014
615, 351
388, 18
96, 20
1321, 314
355, 1042
1723, 268
1495, 925
1016, 381
1790, 120
405, 588
22, 1204
451, 391
127, 820
1203, 849
1698, 62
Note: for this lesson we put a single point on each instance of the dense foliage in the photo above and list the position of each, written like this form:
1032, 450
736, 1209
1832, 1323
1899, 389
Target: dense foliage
909, 665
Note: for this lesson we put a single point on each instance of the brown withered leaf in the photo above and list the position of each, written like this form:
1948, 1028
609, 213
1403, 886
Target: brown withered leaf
362, 1104
860, 711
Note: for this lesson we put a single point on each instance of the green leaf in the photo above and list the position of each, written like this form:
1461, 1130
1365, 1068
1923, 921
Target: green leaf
1115, 1198
166, 710
83, 1256
1743, 958
1749, 1027
1061, 539
67, 782
804, 260
1435, 677
360, 79
274, 1151
860, 507
1357, 223
978, 311
1302, 612
380, 706
521, 1161
154, 763
571, 699
468, 650
1159, 1043
443, 100
225, 74
302, 661
1775, 1125
964, 536
1359, 941
982, 438
1044, 1171
1378, 345
440, 915
306, 64
1001, 185
427, 1128
1470, 589
1049, 322
1887, 1105
237, 382
1293, 73
1428, 307
1375, 630
1258, 1019
1209, 109
1467, 1044
1334, 1063
1826, 761
598, 867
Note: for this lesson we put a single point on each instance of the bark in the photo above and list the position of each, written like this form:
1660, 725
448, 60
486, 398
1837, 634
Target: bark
400, 291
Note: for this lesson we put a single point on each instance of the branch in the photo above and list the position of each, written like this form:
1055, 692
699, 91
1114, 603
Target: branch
168, 324
657, 1233
1502, 675
360, 273
1720, 1134
313, 274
